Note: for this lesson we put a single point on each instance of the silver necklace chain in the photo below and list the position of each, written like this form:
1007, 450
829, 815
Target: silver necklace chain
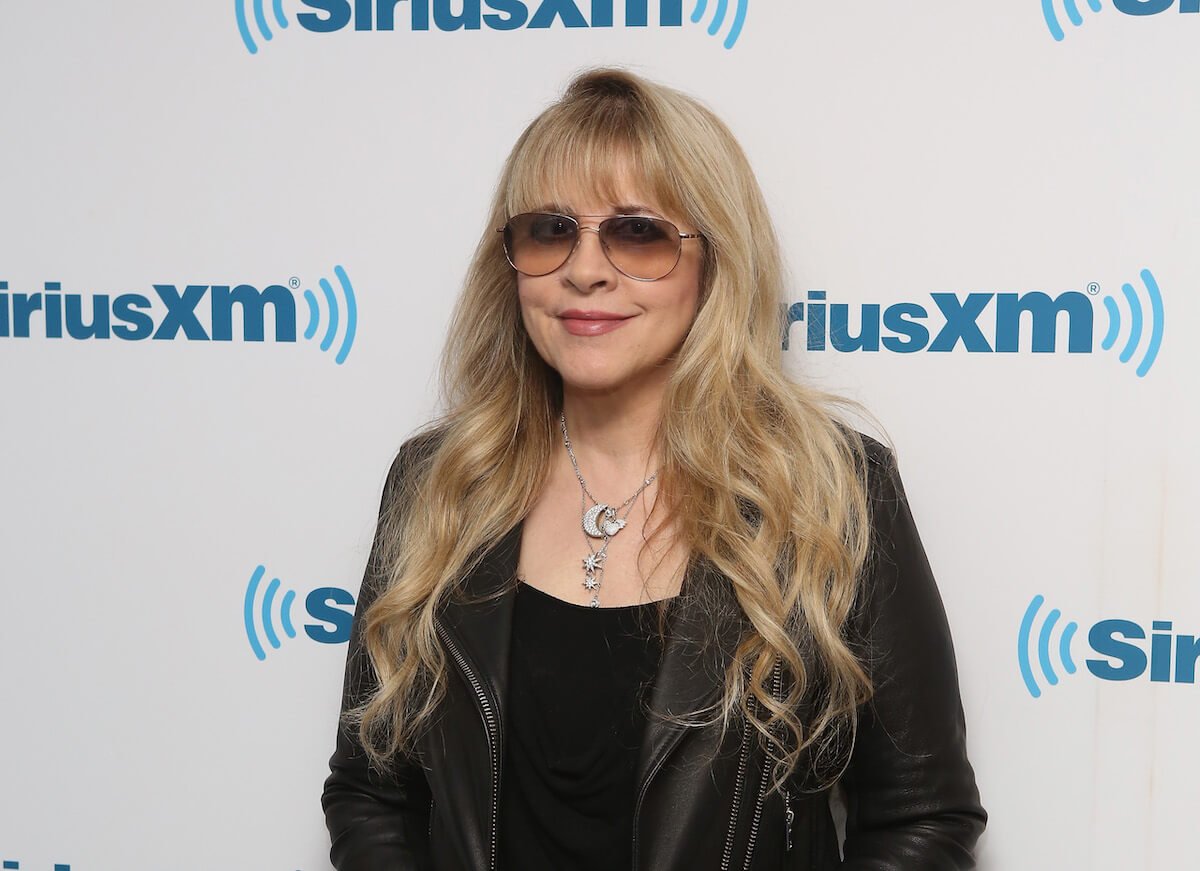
593, 526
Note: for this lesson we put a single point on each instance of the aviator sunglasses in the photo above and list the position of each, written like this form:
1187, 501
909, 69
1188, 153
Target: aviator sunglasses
638, 246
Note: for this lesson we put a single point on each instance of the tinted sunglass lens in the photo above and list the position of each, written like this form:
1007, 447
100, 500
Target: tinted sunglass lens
538, 243
641, 247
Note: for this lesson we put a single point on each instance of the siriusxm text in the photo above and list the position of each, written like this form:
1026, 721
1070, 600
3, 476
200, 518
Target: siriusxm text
322, 604
979, 322
1122, 642
1153, 7
476, 14
172, 313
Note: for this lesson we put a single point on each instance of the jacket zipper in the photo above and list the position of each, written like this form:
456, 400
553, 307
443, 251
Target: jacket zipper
789, 818
776, 686
727, 853
490, 725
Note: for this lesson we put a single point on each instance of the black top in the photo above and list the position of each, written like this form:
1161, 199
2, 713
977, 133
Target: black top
577, 676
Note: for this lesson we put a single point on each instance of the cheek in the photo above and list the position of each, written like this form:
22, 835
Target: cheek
684, 300
526, 299
532, 303
533, 292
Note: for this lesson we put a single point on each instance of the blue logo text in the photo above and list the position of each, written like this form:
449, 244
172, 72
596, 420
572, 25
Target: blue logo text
988, 323
174, 312
725, 17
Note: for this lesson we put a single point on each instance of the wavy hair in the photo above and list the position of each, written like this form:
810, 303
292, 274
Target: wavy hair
764, 480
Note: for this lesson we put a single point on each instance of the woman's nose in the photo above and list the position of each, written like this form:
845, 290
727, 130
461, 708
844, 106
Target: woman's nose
588, 266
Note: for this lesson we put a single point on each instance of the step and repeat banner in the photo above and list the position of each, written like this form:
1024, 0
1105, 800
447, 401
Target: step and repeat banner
231, 234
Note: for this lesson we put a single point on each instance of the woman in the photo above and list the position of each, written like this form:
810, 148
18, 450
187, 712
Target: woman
638, 600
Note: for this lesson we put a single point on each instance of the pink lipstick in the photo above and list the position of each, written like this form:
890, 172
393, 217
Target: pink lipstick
591, 323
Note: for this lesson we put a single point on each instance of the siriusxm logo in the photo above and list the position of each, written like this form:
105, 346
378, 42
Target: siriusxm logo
1129, 7
989, 323
54, 314
445, 15
1120, 642
331, 607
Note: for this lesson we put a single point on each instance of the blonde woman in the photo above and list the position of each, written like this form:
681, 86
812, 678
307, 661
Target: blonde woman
638, 599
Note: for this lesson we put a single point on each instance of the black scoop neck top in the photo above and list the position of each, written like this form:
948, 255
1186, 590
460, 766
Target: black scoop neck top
577, 682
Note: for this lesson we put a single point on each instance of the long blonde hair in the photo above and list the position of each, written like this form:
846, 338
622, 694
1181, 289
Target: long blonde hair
764, 482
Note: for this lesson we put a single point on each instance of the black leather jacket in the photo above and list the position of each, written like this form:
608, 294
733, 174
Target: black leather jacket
911, 797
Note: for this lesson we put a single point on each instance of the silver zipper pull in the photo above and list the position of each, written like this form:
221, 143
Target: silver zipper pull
789, 818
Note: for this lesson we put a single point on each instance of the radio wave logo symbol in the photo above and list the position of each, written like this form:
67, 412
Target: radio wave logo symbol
332, 313
1072, 10
267, 613
1045, 659
719, 13
260, 18
1137, 323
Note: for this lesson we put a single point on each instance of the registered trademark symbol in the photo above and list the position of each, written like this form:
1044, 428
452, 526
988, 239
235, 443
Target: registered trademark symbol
293, 282
1093, 288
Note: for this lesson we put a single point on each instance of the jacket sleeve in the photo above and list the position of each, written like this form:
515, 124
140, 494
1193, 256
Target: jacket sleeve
376, 820
911, 799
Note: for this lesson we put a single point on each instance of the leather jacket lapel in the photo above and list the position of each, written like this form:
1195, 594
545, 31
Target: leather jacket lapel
482, 621
702, 633
476, 628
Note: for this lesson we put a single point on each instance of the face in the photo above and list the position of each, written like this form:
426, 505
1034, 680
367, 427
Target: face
598, 328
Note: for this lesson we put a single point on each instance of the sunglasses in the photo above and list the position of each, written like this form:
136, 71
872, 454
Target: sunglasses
638, 246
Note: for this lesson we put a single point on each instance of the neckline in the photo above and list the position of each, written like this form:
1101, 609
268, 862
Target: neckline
551, 597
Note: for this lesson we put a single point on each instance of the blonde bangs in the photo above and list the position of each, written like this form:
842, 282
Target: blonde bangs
572, 154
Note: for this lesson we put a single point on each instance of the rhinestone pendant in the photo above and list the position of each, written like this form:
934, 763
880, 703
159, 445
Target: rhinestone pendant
607, 527
590, 517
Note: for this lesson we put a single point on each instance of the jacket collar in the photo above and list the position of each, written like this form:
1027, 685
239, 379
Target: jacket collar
703, 627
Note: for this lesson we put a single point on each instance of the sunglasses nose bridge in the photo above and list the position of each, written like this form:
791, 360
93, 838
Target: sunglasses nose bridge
579, 241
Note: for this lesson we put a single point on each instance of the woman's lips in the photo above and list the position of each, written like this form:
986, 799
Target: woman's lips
592, 326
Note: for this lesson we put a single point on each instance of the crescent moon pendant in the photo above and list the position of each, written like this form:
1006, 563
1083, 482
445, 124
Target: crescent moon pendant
589, 520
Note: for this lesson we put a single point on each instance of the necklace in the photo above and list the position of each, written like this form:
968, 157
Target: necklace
593, 527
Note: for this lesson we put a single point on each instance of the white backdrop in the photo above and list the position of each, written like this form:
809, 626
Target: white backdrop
906, 150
